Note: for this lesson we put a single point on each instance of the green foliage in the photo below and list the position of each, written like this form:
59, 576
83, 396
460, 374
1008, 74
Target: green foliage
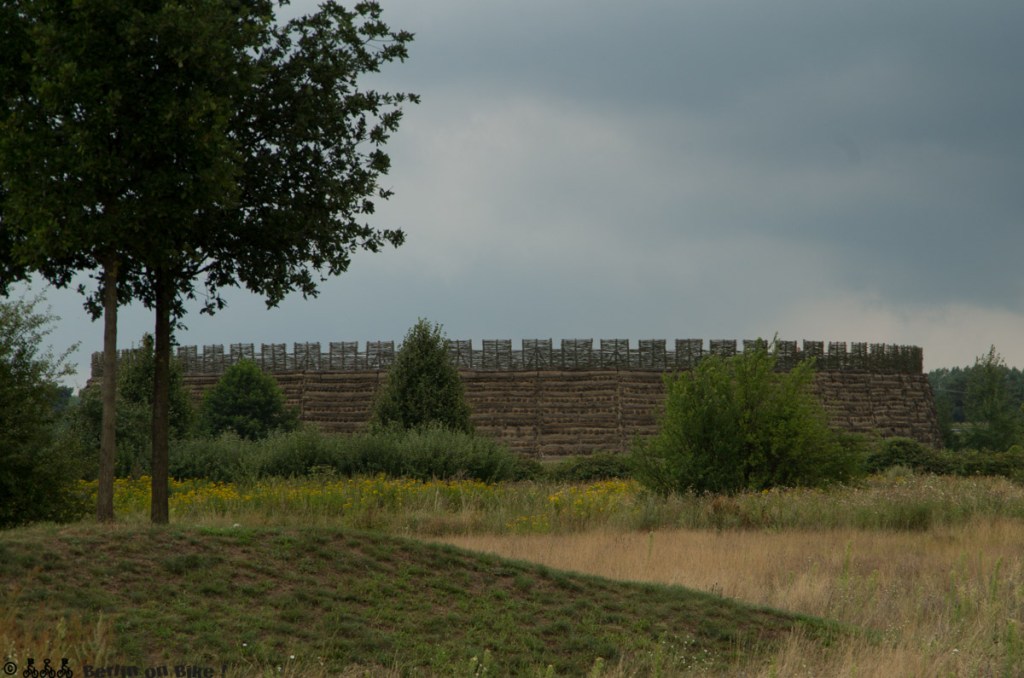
735, 424
974, 403
37, 479
1008, 464
968, 462
423, 453
159, 78
423, 387
598, 466
226, 458
310, 135
527, 468
997, 419
910, 454
135, 385
246, 401
170, 145
901, 452
83, 420
430, 452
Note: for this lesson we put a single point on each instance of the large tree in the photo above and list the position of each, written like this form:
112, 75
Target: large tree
66, 197
212, 147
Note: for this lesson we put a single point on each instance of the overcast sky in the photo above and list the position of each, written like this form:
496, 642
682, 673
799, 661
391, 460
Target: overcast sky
819, 169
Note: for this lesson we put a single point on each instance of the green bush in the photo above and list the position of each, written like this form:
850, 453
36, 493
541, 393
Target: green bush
429, 452
902, 452
80, 434
424, 453
37, 477
224, 458
247, 402
735, 424
423, 387
82, 422
598, 466
911, 454
1008, 464
295, 454
527, 468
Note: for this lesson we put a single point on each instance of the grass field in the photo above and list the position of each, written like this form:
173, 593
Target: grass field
916, 575
947, 601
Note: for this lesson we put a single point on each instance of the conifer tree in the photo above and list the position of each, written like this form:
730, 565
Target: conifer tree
423, 386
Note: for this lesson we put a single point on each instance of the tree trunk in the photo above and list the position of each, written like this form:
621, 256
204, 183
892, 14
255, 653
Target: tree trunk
159, 512
108, 393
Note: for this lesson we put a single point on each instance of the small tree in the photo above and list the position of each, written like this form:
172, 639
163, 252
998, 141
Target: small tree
735, 424
36, 479
423, 386
246, 401
995, 417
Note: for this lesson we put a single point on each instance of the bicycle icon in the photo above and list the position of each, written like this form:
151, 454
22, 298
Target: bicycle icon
46, 671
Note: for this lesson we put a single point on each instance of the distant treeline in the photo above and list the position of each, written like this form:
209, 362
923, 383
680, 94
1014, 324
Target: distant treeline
981, 405
950, 388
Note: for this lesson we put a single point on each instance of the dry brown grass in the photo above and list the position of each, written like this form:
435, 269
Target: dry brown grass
948, 601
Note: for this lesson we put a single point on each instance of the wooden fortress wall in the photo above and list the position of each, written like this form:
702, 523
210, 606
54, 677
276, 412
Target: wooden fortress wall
576, 400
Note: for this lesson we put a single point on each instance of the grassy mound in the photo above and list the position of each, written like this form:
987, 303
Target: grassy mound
326, 601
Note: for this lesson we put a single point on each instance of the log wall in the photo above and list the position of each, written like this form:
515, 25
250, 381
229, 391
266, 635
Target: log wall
566, 412
577, 398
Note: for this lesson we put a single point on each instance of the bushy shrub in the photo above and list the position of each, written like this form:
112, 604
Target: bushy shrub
80, 434
37, 478
247, 402
594, 467
527, 468
295, 454
224, 458
82, 423
907, 453
429, 452
1008, 464
735, 424
135, 386
901, 452
423, 453
423, 386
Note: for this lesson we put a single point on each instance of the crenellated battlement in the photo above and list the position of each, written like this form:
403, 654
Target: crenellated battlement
542, 354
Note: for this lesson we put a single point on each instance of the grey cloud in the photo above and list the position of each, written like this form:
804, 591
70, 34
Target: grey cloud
685, 168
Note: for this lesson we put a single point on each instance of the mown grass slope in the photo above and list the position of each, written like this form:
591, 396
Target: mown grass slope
337, 599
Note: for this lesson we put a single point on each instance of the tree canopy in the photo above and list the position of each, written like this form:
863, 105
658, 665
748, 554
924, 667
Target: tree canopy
175, 147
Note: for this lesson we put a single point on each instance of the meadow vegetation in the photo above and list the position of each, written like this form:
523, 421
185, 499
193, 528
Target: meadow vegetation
946, 601
428, 550
917, 575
